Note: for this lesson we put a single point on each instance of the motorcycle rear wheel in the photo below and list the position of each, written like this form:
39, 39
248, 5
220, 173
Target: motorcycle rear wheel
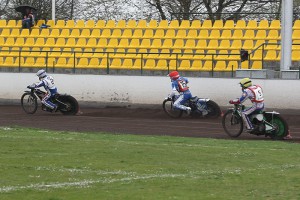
29, 103
214, 111
71, 107
281, 127
232, 124
170, 110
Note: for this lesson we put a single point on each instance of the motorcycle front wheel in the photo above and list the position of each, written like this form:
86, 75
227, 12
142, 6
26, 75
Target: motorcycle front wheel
232, 124
29, 103
170, 110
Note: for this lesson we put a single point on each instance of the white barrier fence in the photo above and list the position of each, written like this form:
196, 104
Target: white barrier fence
131, 91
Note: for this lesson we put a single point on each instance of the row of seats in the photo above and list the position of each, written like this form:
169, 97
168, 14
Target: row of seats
140, 34
117, 63
154, 24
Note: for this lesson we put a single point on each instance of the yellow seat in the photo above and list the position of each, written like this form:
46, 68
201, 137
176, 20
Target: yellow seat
296, 25
35, 52
203, 34
148, 34
64, 33
79, 24
95, 33
61, 63
54, 33
272, 45
273, 35
67, 52
174, 24
185, 24
237, 34
226, 34
152, 24
94, 63
85, 33
127, 63
110, 24
75, 33
261, 35
106, 33
99, 53
41, 62
156, 43
90, 24
11, 23
19, 42
40, 42
232, 65
208, 65
170, 34
100, 24
164, 54
121, 24
2, 23
24, 33
196, 24
248, 45
213, 44
137, 34
185, 65
44, 33
103, 63
296, 34
207, 24
15, 32
190, 44
5, 32
259, 43
82, 63
296, 45
142, 24
127, 33
162, 65
210, 55
124, 43
149, 64
224, 44
153, 54
229, 25
271, 55
218, 24
192, 34
295, 55
61, 42
196, 65
168, 43
50, 42
275, 25
257, 55
34, 33
236, 44
252, 25
187, 54
60, 24
9, 42
263, 25
249, 34
178, 44
240, 24
116, 33
220, 65
201, 44
256, 65
70, 24
214, 34
29, 62
131, 24
159, 33
163, 24
81, 42
112, 43
50, 23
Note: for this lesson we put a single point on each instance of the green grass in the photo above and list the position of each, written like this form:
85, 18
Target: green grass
38, 164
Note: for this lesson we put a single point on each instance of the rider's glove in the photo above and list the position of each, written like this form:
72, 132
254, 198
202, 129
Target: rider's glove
234, 101
31, 86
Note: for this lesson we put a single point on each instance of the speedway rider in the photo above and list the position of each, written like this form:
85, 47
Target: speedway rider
255, 94
179, 84
48, 83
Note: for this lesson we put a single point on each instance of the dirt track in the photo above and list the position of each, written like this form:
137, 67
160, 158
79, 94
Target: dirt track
132, 121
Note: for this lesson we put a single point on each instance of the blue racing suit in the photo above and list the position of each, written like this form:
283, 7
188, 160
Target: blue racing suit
48, 83
180, 85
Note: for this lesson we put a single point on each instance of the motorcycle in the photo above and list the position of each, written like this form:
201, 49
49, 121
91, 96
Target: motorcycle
269, 124
67, 104
200, 107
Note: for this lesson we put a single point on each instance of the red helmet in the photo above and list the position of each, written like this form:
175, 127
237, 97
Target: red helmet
174, 75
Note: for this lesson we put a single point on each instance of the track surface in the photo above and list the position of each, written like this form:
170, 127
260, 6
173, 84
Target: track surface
131, 121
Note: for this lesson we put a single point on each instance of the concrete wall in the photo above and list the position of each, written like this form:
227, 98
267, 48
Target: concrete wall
132, 91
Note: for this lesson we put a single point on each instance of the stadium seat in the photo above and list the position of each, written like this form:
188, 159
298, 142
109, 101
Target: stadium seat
60, 24
2, 23
44, 33
85, 33
148, 34
127, 63
19, 42
203, 34
275, 25
196, 24
174, 24
251, 25
134, 43
218, 24
192, 34
50, 42
249, 34
149, 64
213, 44
162, 64
181, 34
196, 65
70, 24
164, 54
259, 43
222, 55
153, 54
15, 32
178, 44
296, 25
116, 33
224, 44
272, 45
35, 52
296, 45
296, 34
271, 55
207, 24
75, 33
142, 24
232, 65
237, 34
82, 63
5, 32
163, 24
263, 25
106, 33
34, 33
296, 55
236, 44
131, 24
214, 34
170, 34
137, 64
229, 25
127, 34
208, 65
226, 34
190, 44
220, 65
100, 24
29, 62
159, 34
167, 44
240, 25
24, 33
110, 24
95, 33
9, 42
248, 45
55, 33
273, 35
185, 24
201, 44
94, 63
99, 53
89, 24
256, 65
124, 43
156, 43
138, 33
145, 43
261, 35
121, 24
152, 24
11, 23
61, 42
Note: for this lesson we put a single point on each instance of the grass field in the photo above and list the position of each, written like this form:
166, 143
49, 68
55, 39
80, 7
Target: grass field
49, 165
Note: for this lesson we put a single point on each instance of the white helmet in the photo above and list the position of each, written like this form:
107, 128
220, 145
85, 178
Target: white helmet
41, 73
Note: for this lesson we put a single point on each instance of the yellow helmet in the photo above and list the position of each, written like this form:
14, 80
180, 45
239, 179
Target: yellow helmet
246, 82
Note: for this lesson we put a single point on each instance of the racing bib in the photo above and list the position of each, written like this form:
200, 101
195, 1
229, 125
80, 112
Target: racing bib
182, 85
